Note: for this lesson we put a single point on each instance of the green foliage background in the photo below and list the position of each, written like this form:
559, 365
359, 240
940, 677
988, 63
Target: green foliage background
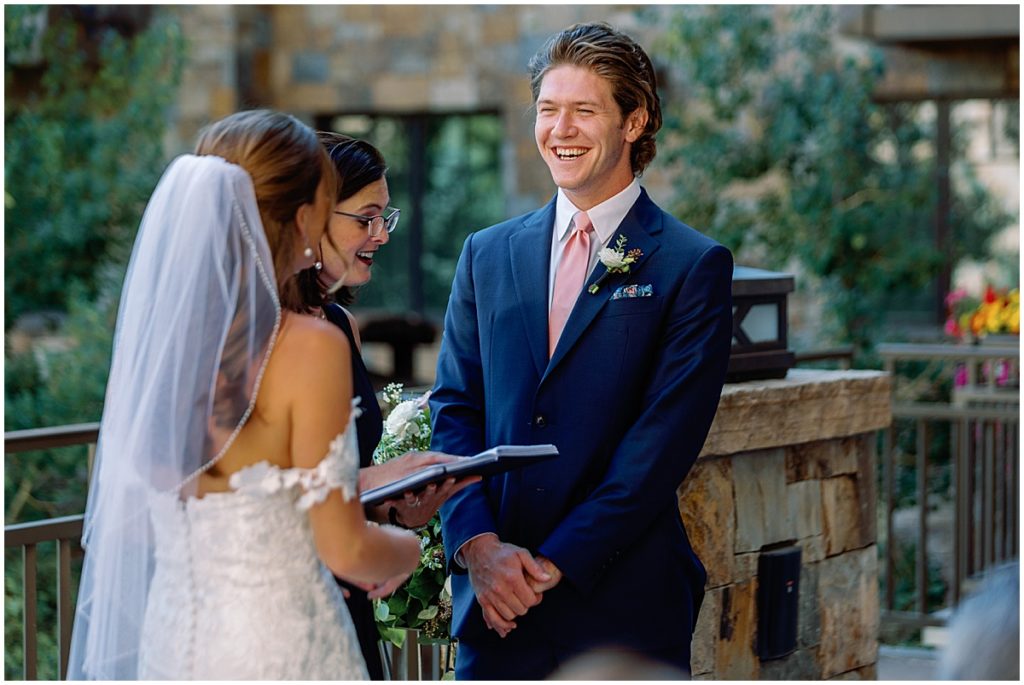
83, 151
778, 150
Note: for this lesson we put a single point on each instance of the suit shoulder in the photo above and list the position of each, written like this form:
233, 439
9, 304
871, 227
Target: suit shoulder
502, 230
677, 233
686, 245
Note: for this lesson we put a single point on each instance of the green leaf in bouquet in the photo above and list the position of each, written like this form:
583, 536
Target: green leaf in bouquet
422, 588
398, 604
395, 636
382, 612
428, 613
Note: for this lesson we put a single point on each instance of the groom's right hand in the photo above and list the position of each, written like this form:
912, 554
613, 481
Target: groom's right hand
498, 572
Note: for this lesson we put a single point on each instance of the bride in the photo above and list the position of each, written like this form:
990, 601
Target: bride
226, 484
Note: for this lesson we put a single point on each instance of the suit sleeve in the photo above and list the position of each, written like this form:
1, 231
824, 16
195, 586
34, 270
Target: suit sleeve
457, 408
658, 450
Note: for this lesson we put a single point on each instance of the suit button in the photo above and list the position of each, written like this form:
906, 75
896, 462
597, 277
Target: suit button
540, 421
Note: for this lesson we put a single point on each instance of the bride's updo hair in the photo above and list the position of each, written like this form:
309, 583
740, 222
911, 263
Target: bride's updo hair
286, 163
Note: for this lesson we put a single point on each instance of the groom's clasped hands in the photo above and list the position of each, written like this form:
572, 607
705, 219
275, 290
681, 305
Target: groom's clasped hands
507, 580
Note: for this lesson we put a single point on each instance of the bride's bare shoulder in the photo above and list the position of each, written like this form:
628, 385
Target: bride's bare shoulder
310, 341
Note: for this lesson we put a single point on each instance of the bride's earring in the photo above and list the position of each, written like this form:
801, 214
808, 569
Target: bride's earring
308, 252
319, 266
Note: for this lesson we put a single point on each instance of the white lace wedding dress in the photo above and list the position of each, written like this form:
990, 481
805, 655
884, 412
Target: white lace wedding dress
238, 591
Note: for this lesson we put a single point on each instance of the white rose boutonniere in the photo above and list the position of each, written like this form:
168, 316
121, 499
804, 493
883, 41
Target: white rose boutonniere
616, 261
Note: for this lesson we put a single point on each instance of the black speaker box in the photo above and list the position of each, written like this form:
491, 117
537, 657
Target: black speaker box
778, 598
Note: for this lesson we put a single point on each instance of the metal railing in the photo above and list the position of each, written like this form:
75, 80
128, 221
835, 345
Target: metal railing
64, 532
956, 419
413, 661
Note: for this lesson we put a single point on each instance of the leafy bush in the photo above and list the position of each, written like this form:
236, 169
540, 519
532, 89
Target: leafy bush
85, 116
83, 150
778, 150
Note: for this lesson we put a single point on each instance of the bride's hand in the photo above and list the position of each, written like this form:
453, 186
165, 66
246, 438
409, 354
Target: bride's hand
387, 588
380, 590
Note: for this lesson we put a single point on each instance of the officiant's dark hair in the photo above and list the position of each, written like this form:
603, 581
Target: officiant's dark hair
616, 57
358, 164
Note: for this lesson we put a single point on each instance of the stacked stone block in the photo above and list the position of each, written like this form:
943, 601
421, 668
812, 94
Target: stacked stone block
790, 462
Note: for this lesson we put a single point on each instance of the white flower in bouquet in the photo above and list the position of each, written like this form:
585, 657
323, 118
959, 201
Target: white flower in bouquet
402, 421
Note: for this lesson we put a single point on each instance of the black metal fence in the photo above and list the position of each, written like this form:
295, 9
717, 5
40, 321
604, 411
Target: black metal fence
950, 467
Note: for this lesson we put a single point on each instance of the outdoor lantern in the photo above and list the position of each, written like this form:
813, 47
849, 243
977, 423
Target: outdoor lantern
759, 327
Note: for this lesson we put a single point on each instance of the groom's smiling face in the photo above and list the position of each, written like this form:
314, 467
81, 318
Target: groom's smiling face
583, 136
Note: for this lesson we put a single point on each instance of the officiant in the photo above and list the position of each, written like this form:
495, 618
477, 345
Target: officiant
360, 225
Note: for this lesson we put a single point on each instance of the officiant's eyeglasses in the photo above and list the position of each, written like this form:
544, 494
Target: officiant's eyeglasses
376, 224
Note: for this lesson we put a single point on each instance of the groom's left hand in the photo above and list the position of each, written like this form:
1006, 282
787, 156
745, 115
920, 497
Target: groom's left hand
552, 570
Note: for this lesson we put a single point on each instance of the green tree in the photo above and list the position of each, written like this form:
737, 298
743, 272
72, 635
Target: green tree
83, 147
780, 152
86, 110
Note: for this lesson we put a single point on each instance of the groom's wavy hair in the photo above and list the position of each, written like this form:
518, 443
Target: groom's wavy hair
286, 163
620, 60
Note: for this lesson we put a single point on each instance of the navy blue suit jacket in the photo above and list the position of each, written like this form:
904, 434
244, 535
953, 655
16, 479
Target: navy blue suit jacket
628, 398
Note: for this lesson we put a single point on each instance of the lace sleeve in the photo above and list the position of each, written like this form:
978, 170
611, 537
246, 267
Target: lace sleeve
338, 470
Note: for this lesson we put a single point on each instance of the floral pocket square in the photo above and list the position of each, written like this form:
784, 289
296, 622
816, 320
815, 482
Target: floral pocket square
633, 290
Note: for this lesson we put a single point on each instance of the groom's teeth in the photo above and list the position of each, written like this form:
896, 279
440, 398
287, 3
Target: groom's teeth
570, 152
365, 255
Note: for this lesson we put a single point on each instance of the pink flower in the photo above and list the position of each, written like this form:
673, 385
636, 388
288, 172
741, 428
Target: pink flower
955, 296
1004, 374
960, 377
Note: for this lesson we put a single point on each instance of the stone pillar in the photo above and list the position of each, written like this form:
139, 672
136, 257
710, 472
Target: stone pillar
790, 461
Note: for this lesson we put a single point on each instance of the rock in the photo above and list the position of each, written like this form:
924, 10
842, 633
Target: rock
762, 516
862, 673
805, 508
745, 567
847, 525
702, 648
805, 406
735, 658
800, 665
709, 516
808, 630
848, 602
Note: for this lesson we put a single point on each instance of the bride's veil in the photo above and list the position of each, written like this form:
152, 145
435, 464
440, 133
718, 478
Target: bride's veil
198, 317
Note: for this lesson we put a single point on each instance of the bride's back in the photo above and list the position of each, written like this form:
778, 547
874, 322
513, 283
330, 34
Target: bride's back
293, 387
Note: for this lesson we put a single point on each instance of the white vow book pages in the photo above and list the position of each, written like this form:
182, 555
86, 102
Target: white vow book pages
489, 462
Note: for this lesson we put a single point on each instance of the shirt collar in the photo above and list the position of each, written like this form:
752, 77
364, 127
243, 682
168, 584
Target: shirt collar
606, 216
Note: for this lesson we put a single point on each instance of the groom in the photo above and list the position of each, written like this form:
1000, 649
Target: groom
617, 357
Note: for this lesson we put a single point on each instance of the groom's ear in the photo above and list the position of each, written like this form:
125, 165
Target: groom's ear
635, 124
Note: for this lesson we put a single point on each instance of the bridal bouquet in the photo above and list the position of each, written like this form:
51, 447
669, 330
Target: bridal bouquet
424, 602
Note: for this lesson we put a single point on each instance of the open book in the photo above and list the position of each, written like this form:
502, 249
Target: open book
489, 462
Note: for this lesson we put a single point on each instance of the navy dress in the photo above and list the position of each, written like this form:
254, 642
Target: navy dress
369, 428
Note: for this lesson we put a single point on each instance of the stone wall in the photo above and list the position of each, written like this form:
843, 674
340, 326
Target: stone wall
790, 461
325, 60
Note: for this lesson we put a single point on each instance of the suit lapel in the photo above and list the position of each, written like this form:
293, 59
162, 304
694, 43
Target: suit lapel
639, 225
530, 254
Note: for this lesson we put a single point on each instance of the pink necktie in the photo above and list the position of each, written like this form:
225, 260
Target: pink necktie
569, 277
